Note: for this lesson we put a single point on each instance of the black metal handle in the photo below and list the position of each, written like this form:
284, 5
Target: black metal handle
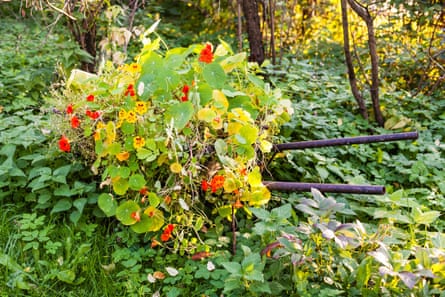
345, 141
328, 188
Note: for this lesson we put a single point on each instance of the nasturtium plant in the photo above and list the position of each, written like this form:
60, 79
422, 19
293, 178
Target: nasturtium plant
171, 132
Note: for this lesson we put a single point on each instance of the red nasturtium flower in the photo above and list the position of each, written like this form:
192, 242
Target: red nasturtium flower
64, 144
206, 55
165, 236
143, 191
130, 91
90, 98
75, 122
69, 109
94, 115
185, 91
135, 215
204, 185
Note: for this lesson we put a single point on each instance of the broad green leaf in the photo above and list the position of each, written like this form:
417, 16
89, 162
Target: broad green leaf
114, 148
66, 276
120, 186
234, 268
62, 205
107, 204
80, 204
181, 113
136, 182
125, 212
283, 212
214, 75
364, 272
143, 226
147, 154
153, 199
8, 150
424, 218
9, 262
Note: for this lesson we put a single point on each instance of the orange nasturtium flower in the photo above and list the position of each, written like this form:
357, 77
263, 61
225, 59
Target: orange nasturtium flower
217, 182
206, 55
75, 122
96, 135
123, 156
138, 142
64, 144
131, 117
141, 107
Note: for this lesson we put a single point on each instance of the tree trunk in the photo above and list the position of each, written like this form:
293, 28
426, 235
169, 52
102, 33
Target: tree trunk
351, 74
84, 30
363, 13
250, 10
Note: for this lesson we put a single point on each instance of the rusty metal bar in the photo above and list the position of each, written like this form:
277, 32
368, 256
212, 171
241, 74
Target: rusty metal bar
328, 188
345, 141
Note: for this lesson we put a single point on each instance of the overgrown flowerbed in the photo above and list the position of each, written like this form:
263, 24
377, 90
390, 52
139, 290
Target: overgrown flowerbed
176, 144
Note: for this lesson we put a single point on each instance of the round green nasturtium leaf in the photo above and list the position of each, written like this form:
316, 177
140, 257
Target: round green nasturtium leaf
125, 211
127, 128
214, 75
155, 218
114, 149
120, 186
136, 182
153, 199
107, 204
181, 113
143, 225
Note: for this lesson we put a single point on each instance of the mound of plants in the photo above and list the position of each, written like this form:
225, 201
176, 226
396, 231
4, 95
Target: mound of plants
176, 137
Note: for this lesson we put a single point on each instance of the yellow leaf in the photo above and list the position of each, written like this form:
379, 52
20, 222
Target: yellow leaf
175, 167
206, 114
220, 101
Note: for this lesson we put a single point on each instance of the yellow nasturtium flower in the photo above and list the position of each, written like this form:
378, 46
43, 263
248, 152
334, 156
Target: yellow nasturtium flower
134, 68
141, 107
122, 115
96, 135
138, 142
131, 116
100, 125
123, 156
